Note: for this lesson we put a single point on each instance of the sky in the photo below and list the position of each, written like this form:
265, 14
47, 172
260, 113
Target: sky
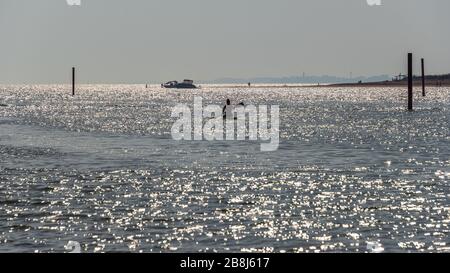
140, 41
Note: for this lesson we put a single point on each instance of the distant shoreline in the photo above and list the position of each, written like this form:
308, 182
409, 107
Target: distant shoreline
416, 82
430, 81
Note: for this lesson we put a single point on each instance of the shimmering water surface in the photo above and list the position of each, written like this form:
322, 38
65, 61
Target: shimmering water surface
353, 170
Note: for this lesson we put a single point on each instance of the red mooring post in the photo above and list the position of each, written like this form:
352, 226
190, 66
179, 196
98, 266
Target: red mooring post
410, 82
423, 78
73, 81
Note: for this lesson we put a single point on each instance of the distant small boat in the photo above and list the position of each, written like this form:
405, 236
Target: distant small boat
186, 84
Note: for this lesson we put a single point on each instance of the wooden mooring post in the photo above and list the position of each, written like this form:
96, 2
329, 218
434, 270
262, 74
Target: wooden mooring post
410, 82
423, 78
73, 81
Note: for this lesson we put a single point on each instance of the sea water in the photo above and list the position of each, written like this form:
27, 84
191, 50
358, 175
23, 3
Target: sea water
353, 170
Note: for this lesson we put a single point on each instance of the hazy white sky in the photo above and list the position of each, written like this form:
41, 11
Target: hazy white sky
137, 41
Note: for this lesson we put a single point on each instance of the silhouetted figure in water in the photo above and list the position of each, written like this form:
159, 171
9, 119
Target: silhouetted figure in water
227, 111
249, 84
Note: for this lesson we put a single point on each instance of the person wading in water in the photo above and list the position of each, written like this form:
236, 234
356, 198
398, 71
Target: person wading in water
227, 110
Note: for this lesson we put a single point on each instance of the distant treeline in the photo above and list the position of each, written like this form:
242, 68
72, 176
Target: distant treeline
443, 77
436, 77
437, 80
